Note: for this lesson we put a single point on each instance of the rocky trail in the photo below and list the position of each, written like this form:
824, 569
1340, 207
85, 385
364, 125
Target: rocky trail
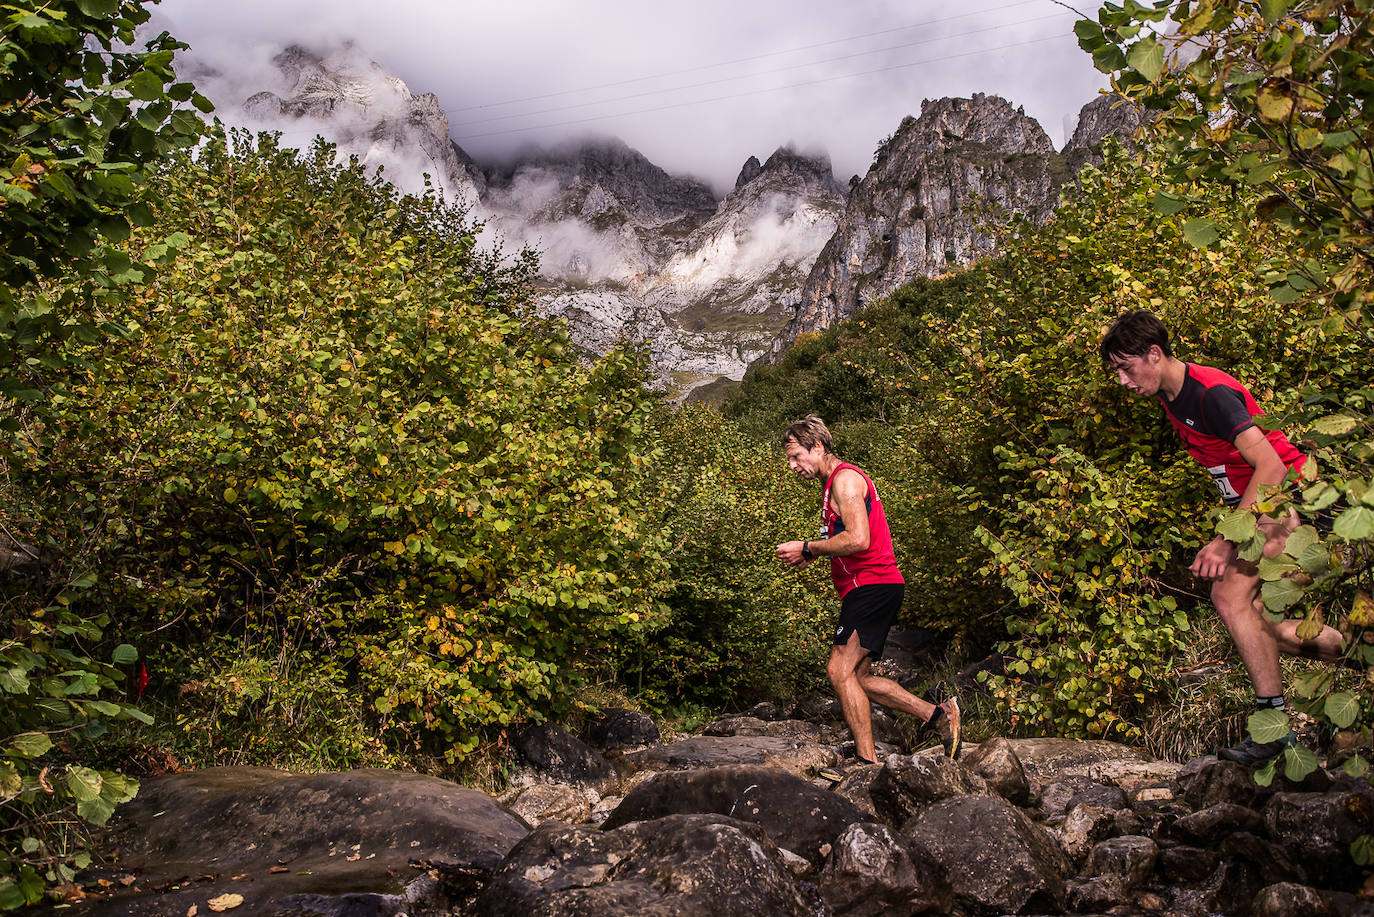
734, 821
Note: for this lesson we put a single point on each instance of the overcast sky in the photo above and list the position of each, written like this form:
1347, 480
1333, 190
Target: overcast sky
697, 88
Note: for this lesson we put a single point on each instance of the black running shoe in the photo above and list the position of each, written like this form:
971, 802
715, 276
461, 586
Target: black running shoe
1253, 754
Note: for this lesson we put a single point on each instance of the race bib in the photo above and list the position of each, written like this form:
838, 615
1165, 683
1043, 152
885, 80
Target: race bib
1223, 482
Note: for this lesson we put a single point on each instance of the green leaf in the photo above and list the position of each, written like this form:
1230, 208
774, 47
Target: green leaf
84, 783
1265, 775
1298, 762
97, 811
1355, 523
1342, 708
1169, 204
1303, 537
1268, 725
1237, 526
124, 654
1200, 233
1362, 850
1335, 424
1356, 767
1281, 594
30, 744
1273, 9
1147, 58
98, 9
14, 681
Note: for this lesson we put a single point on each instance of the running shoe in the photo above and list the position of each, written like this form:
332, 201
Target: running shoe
1253, 754
951, 727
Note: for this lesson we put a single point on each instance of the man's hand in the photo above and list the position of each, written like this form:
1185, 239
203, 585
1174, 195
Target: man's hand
790, 553
1211, 562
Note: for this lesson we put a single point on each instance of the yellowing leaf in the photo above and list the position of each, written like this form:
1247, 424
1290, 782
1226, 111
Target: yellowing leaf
224, 902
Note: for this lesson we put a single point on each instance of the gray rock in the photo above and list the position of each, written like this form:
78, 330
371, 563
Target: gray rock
1132, 858
1318, 828
857, 787
1047, 760
907, 784
557, 801
997, 858
1217, 821
1271, 862
1059, 796
679, 865
1083, 828
795, 814
793, 755
874, 871
1206, 781
301, 839
564, 758
752, 726
1288, 899
996, 762
1098, 894
618, 728
1187, 864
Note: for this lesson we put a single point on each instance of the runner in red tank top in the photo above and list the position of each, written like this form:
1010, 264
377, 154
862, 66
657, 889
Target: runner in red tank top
855, 536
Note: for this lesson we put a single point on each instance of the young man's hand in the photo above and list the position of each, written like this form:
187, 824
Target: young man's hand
790, 553
1211, 562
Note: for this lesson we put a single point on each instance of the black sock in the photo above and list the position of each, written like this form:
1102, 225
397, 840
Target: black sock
935, 717
1276, 702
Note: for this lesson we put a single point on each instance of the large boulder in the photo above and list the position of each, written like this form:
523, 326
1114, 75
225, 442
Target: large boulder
312, 843
792, 755
907, 784
1045, 760
559, 756
618, 728
873, 871
1318, 829
996, 762
1060, 796
998, 859
1212, 824
797, 815
1206, 781
1132, 858
678, 866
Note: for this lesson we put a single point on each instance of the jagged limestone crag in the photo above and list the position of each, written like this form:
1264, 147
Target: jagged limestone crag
913, 214
370, 113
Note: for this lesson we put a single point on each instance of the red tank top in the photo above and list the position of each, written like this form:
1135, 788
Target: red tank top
872, 566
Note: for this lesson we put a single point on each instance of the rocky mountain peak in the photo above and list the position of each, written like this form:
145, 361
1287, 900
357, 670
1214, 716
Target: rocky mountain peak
1108, 115
748, 172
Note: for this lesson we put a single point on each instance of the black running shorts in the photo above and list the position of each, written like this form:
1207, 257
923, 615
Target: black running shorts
870, 610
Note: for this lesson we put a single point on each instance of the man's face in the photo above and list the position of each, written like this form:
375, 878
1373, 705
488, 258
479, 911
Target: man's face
1141, 374
805, 463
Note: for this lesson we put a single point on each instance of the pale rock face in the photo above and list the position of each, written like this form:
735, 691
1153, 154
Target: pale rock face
914, 214
369, 113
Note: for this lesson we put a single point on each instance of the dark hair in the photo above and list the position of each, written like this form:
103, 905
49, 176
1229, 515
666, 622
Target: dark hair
809, 431
1132, 335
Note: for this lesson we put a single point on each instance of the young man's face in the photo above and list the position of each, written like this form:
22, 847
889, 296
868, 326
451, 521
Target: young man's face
805, 463
1141, 374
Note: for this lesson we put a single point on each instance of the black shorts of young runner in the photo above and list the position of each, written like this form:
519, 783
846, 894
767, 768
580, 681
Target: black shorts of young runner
870, 610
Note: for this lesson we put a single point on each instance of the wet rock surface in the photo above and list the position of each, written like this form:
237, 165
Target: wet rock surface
739, 823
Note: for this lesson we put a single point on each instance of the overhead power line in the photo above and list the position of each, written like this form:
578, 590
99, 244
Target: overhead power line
740, 95
744, 60
732, 79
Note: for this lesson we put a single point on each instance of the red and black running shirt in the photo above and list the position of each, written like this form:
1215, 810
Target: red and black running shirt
1210, 411
873, 566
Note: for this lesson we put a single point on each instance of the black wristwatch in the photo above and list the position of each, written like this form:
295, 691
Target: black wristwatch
806, 550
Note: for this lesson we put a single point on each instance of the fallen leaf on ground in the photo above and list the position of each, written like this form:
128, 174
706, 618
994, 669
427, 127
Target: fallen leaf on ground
191, 911
278, 869
224, 902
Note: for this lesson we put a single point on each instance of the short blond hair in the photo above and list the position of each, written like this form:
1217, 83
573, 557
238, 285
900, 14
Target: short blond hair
807, 432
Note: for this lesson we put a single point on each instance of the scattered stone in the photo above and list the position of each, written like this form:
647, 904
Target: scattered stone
1206, 781
564, 758
1132, 858
679, 865
1319, 828
770, 711
752, 726
996, 762
1215, 822
1287, 899
356, 832
1083, 828
997, 858
1059, 796
795, 814
544, 801
874, 871
1100, 893
797, 757
907, 784
618, 728
1187, 864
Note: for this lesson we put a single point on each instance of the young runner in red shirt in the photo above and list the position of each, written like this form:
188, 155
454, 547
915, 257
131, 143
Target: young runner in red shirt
1216, 417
